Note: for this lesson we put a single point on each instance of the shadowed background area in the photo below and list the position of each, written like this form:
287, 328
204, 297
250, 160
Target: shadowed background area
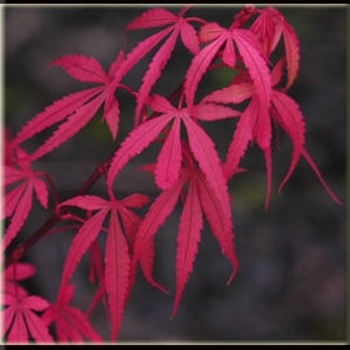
291, 281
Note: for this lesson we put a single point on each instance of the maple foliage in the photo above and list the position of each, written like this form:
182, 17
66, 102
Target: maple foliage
13, 274
71, 324
283, 111
117, 256
188, 170
21, 320
77, 108
199, 198
21, 184
177, 26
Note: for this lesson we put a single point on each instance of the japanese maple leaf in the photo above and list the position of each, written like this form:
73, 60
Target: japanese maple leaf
21, 184
287, 114
255, 127
130, 222
74, 111
96, 275
21, 322
249, 50
15, 273
199, 198
169, 160
117, 253
270, 26
176, 26
71, 325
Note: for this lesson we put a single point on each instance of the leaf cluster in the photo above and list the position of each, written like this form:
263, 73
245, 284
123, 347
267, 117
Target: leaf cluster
188, 170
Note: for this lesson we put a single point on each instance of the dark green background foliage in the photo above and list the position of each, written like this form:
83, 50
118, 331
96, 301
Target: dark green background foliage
291, 282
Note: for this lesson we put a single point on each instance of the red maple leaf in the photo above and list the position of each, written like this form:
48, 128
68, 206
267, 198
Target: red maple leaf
176, 26
270, 26
15, 273
70, 323
21, 182
255, 127
199, 198
74, 111
168, 163
21, 322
223, 42
117, 275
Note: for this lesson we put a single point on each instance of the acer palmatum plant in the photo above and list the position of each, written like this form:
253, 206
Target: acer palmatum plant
188, 170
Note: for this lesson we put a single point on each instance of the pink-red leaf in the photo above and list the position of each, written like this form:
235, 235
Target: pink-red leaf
17, 332
8, 315
41, 192
55, 113
199, 66
262, 136
13, 274
19, 271
12, 174
291, 46
21, 322
191, 223
36, 327
289, 117
189, 38
152, 18
111, 113
218, 214
117, 261
160, 104
241, 137
310, 161
204, 152
113, 68
267, 27
135, 143
20, 215
135, 200
70, 127
168, 164
277, 72
210, 31
229, 55
12, 199
155, 68
87, 202
79, 323
263, 130
70, 323
95, 263
99, 294
35, 302
211, 112
286, 113
137, 53
131, 223
235, 93
158, 212
247, 46
86, 69
81, 242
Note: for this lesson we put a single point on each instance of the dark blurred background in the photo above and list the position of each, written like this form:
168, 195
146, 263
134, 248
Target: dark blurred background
291, 285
